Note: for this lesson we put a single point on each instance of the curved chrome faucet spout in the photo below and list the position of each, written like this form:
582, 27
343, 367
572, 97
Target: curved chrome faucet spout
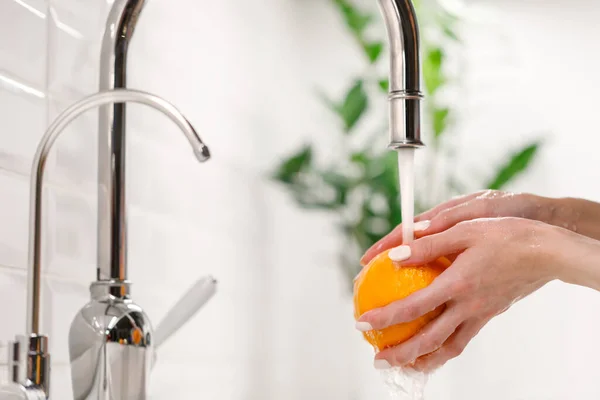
37, 357
39, 163
405, 73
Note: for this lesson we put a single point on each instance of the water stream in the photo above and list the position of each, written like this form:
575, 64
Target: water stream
406, 384
406, 172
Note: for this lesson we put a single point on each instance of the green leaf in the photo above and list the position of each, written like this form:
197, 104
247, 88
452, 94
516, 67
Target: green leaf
432, 70
384, 84
373, 50
449, 32
447, 22
518, 163
355, 19
440, 116
290, 168
359, 157
354, 105
336, 180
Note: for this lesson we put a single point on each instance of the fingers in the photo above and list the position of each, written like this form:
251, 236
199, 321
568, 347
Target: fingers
454, 215
429, 215
412, 307
428, 340
452, 348
430, 248
422, 225
446, 244
445, 287
392, 239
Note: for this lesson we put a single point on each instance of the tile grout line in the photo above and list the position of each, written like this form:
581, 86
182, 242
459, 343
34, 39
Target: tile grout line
51, 275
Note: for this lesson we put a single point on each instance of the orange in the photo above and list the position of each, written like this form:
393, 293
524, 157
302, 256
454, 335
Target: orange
382, 282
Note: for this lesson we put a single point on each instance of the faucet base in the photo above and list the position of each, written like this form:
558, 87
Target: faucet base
111, 346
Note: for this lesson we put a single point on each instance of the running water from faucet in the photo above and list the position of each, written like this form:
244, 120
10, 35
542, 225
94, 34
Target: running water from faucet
406, 173
406, 384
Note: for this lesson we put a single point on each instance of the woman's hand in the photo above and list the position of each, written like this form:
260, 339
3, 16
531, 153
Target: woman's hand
500, 261
485, 204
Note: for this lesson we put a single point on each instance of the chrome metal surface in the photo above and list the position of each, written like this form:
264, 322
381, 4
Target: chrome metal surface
29, 369
121, 360
405, 73
14, 391
110, 347
39, 163
112, 212
38, 363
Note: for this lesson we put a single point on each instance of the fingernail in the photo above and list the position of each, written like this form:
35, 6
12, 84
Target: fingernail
421, 225
364, 326
382, 364
399, 253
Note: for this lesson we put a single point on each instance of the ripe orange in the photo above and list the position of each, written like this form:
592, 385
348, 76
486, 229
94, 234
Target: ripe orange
381, 282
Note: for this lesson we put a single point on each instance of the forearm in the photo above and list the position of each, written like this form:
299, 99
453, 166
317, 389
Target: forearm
577, 215
577, 260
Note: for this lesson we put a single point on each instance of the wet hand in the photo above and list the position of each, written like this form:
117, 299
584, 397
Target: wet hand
499, 261
484, 204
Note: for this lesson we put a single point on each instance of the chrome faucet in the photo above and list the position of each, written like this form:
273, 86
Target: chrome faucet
111, 339
112, 213
117, 368
405, 73
111, 342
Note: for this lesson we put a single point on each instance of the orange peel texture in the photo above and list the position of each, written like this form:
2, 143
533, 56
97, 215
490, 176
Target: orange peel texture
382, 282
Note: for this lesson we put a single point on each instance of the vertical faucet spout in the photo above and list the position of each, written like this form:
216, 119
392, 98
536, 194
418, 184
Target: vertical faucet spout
112, 217
405, 73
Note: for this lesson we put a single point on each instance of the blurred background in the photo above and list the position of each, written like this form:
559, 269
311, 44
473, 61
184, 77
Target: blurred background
290, 97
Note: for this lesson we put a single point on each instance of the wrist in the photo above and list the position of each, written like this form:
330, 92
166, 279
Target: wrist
561, 212
576, 259
552, 211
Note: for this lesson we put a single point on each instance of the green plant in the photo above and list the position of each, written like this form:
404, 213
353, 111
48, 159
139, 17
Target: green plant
362, 189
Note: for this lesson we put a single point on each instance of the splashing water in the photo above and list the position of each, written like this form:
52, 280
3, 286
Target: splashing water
405, 384
406, 172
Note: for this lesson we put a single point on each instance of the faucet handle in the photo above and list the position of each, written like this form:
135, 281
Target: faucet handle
195, 297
